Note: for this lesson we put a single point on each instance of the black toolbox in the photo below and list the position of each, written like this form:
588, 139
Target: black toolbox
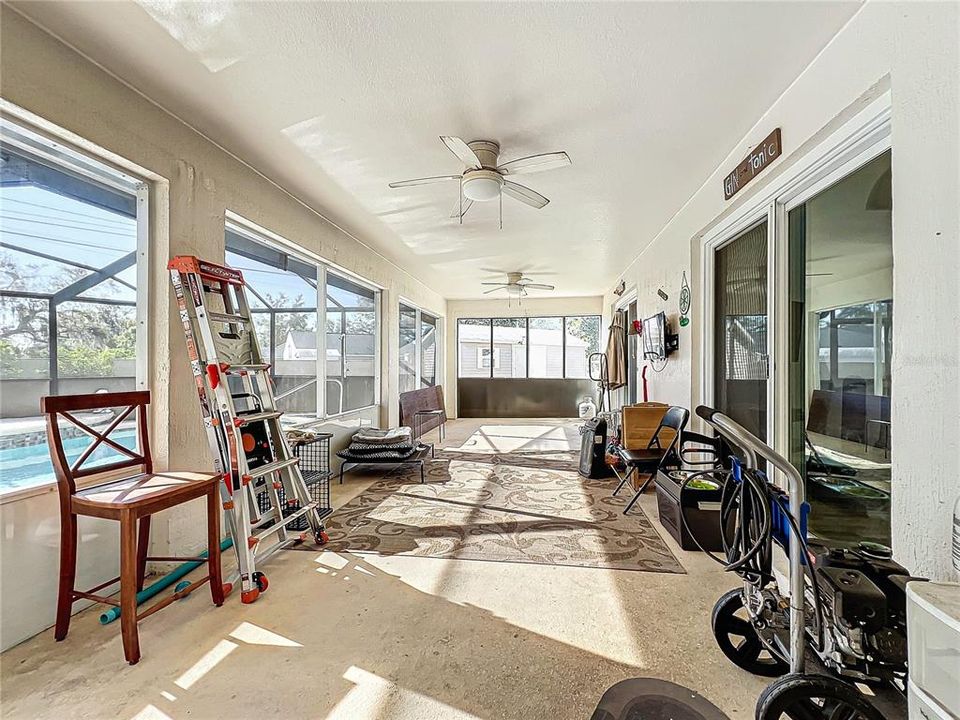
700, 507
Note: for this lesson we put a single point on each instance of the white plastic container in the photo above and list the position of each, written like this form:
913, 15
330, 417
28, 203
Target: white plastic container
587, 408
933, 643
922, 707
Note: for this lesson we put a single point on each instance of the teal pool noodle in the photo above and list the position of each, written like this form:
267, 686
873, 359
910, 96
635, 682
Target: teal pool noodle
163, 583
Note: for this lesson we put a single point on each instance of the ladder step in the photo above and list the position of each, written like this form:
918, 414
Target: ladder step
240, 369
288, 519
258, 416
229, 318
272, 467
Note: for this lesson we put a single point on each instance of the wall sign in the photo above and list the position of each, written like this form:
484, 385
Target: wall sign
757, 161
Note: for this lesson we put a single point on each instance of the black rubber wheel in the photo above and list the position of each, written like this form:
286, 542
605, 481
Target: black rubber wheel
739, 641
814, 697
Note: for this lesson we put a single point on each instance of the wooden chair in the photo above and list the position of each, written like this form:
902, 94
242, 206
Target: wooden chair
130, 500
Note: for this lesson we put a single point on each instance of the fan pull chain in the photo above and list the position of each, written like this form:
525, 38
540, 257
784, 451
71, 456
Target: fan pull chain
461, 200
501, 210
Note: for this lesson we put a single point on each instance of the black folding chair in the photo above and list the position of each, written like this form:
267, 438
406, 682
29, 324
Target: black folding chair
651, 458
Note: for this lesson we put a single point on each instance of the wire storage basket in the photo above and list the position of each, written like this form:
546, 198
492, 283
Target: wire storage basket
313, 449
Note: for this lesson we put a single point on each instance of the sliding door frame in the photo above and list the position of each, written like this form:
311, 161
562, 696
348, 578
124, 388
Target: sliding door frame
854, 143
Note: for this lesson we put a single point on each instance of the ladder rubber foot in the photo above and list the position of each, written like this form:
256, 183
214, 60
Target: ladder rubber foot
248, 597
227, 589
261, 580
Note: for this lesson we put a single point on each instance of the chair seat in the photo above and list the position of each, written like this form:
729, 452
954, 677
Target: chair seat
645, 456
144, 489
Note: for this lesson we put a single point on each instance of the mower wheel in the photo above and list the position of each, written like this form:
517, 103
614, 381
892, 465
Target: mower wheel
814, 697
739, 641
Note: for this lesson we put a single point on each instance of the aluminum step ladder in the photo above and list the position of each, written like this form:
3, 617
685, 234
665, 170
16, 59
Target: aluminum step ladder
249, 448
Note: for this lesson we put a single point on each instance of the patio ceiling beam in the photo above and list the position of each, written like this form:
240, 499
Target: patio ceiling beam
54, 258
97, 277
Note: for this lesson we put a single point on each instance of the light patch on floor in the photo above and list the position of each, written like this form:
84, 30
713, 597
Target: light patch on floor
205, 664
511, 438
374, 697
255, 635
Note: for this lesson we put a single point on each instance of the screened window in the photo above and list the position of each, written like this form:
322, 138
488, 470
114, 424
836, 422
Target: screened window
472, 337
282, 291
69, 295
428, 350
418, 348
351, 345
316, 373
509, 347
541, 347
408, 348
546, 347
582, 340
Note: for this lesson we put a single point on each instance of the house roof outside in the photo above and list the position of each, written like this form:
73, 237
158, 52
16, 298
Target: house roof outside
515, 336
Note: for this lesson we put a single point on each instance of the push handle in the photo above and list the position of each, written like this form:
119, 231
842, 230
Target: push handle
753, 447
705, 412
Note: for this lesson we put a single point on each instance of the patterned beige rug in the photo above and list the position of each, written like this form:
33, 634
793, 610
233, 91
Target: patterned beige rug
524, 507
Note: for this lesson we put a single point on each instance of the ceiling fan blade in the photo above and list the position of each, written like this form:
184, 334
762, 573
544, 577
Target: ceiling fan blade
423, 181
459, 148
534, 163
524, 194
539, 286
487, 292
495, 283
467, 202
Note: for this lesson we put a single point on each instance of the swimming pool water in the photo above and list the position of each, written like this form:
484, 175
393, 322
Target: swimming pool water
23, 467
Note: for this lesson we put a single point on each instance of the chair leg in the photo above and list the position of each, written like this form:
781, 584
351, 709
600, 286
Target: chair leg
143, 545
638, 493
623, 480
128, 587
213, 547
633, 500
421, 471
68, 572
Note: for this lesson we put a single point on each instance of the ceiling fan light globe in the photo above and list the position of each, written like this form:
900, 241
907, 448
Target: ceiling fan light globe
482, 185
514, 290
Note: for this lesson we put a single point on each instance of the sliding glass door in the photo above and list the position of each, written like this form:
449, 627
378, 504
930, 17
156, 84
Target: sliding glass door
740, 338
841, 321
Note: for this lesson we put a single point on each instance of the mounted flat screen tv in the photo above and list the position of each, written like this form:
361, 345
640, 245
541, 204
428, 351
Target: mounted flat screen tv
658, 341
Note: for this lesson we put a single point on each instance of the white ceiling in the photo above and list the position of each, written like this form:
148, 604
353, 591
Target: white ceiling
335, 100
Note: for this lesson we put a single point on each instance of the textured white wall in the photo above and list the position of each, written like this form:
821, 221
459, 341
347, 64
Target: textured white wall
194, 184
911, 49
498, 307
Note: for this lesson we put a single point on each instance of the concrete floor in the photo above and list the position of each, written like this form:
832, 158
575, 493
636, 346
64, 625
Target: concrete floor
375, 638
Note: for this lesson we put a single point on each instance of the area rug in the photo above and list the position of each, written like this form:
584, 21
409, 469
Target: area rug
521, 507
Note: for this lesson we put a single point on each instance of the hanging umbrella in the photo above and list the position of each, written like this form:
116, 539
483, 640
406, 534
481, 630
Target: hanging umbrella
616, 353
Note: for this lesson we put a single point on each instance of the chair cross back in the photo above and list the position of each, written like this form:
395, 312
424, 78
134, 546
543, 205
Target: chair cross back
57, 407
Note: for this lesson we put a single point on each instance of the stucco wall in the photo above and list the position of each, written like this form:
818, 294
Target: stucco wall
498, 307
912, 50
194, 183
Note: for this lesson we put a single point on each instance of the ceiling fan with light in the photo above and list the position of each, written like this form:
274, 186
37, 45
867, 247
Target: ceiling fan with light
516, 285
483, 179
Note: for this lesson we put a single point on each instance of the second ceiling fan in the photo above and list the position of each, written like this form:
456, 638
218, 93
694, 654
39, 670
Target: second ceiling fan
483, 179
